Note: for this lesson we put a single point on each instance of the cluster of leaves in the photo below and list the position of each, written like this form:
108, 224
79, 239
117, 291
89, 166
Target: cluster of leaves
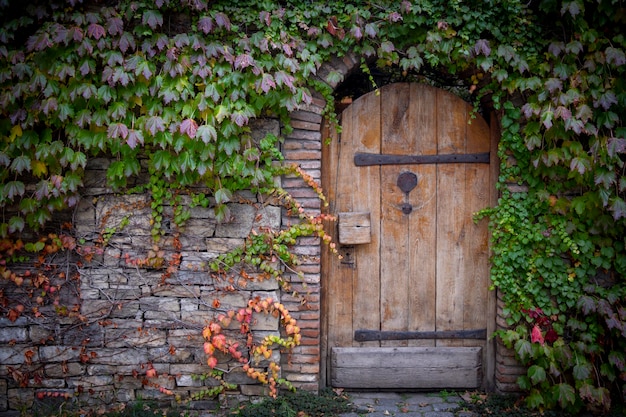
175, 84
559, 247
252, 355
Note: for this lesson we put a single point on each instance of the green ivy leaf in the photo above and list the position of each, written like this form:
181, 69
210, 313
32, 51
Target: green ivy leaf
21, 164
537, 374
13, 189
16, 224
581, 371
565, 394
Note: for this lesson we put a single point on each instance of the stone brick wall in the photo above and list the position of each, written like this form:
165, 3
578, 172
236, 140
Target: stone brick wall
131, 317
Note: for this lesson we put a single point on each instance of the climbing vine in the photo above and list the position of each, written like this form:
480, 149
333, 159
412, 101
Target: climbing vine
170, 87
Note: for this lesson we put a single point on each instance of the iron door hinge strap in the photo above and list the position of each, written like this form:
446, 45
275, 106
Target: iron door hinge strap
371, 335
367, 159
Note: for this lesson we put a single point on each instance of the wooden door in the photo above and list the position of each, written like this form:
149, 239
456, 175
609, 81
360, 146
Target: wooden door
408, 305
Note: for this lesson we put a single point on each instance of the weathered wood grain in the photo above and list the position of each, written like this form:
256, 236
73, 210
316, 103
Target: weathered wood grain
426, 268
407, 367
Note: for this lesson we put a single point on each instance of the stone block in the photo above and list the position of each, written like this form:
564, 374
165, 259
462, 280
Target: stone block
20, 322
120, 357
138, 337
88, 335
13, 335
96, 308
179, 291
56, 370
259, 128
185, 337
238, 376
188, 381
160, 304
59, 353
264, 322
268, 216
170, 354
259, 284
15, 355
201, 318
219, 245
242, 217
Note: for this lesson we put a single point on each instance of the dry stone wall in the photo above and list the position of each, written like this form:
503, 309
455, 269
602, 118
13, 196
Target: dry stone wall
132, 316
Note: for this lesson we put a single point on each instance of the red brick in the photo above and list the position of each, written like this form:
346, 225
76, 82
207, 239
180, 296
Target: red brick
304, 125
306, 116
295, 155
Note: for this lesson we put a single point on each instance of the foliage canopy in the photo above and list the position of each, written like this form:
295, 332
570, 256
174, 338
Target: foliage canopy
174, 85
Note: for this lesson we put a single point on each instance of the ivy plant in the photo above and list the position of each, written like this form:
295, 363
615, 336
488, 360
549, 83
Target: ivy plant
172, 86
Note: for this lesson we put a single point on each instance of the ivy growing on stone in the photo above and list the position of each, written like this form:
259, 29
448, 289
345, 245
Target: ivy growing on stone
170, 87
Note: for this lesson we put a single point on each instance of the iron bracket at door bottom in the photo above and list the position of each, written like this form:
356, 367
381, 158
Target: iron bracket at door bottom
370, 335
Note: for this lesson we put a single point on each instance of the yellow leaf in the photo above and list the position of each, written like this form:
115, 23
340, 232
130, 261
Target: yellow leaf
16, 131
39, 168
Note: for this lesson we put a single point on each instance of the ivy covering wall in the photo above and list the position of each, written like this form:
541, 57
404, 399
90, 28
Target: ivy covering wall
173, 85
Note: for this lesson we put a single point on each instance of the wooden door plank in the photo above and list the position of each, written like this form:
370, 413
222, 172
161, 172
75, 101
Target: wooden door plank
407, 367
423, 220
338, 282
363, 184
477, 188
397, 138
451, 216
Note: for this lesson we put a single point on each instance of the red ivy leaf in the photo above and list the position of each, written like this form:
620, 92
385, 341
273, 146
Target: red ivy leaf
356, 32
482, 47
39, 42
371, 30
555, 48
387, 47
126, 42
267, 83
618, 207
395, 17
615, 56
222, 21
155, 124
265, 17
118, 130
134, 137
616, 146
115, 26
95, 31
579, 164
606, 100
152, 18
205, 24
243, 61
189, 127
536, 336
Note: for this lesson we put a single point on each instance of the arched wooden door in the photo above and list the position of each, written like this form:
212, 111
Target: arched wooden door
408, 305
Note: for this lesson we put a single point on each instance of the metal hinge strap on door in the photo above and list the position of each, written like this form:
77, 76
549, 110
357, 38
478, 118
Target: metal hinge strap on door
371, 335
367, 159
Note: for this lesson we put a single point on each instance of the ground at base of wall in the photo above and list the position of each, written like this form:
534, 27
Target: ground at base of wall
338, 403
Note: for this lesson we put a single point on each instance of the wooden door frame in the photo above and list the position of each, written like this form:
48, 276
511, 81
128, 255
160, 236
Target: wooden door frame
489, 353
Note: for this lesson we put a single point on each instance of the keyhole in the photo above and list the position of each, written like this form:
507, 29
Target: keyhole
407, 181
